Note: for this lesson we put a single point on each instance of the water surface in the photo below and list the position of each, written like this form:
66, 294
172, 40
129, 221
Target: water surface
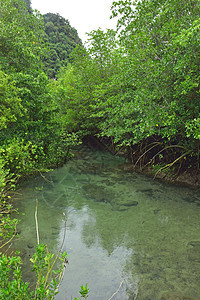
122, 228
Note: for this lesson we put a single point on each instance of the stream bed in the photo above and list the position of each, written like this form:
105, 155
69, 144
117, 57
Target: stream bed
125, 232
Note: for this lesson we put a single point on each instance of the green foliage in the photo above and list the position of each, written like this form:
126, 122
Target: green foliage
32, 135
83, 292
21, 44
193, 128
137, 85
48, 280
12, 285
61, 39
7, 225
140, 82
19, 156
162, 48
10, 103
28, 5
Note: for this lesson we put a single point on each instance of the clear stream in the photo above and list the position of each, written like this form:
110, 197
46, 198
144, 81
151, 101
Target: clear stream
122, 229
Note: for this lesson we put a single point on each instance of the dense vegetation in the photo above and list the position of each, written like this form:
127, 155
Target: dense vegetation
32, 138
61, 39
137, 88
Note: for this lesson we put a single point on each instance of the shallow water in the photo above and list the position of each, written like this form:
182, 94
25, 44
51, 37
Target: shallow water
123, 229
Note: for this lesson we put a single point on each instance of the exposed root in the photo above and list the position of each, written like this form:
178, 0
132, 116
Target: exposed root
172, 163
47, 180
155, 144
168, 147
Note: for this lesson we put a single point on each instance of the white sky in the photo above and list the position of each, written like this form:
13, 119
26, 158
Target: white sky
84, 15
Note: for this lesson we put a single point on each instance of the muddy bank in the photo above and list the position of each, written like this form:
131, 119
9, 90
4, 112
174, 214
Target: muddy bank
187, 178
149, 163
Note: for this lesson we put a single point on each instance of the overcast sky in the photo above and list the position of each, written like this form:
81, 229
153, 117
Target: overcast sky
84, 15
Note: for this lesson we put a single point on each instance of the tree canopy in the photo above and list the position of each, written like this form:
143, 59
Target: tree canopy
137, 86
61, 39
140, 83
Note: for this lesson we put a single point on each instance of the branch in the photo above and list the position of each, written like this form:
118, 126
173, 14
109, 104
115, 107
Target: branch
36, 222
14, 234
155, 144
117, 290
49, 271
171, 164
172, 146
47, 180
137, 291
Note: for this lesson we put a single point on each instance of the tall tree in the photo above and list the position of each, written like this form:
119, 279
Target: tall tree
21, 43
61, 39
28, 5
151, 32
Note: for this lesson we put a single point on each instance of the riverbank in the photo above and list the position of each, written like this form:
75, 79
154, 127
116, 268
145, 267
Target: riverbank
188, 178
182, 173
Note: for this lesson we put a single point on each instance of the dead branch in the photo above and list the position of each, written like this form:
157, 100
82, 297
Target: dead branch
137, 291
36, 222
9, 239
117, 290
65, 263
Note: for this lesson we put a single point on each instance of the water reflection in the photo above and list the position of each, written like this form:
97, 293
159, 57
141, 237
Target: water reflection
121, 228
89, 261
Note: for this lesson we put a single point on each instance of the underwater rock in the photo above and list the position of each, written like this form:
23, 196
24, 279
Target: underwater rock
194, 251
122, 208
191, 199
170, 296
55, 233
128, 167
107, 182
156, 211
131, 203
94, 168
101, 193
117, 207
194, 243
98, 193
148, 192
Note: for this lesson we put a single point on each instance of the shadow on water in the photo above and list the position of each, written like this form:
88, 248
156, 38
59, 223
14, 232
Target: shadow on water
122, 228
